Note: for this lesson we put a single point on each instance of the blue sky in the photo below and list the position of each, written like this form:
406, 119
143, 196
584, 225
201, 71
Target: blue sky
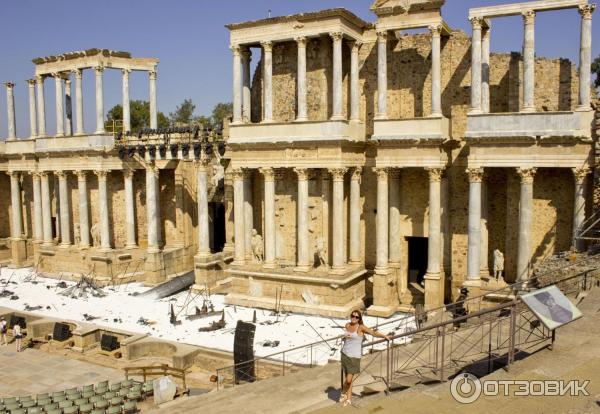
191, 42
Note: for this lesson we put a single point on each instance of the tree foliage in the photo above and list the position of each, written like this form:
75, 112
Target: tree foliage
596, 71
220, 112
183, 113
139, 115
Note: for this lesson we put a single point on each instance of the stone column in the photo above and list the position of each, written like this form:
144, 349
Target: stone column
99, 100
246, 93
248, 212
339, 244
267, 49
79, 102
354, 257
525, 223
15, 196
126, 111
46, 209
585, 56
529, 62
434, 283
436, 70
84, 215
237, 85
269, 176
60, 111
394, 237
152, 89
338, 113
474, 227
129, 208
65, 211
483, 263
381, 75
38, 224
302, 91
485, 70
580, 175
152, 208
104, 219
238, 216
68, 108
303, 260
476, 66
228, 248
41, 106
203, 215
32, 109
354, 84
382, 247
10, 108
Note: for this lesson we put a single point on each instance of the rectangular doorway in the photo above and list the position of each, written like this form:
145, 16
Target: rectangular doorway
417, 259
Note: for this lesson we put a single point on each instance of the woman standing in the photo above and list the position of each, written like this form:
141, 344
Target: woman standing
18, 336
352, 352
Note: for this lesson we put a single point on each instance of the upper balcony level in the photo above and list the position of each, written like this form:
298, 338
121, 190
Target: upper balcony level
529, 123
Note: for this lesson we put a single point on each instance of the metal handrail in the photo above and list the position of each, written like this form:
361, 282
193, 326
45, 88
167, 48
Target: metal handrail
512, 287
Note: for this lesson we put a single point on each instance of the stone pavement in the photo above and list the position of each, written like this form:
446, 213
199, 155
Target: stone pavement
34, 371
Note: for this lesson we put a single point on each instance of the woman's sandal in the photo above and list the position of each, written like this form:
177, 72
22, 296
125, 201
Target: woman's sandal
343, 398
347, 402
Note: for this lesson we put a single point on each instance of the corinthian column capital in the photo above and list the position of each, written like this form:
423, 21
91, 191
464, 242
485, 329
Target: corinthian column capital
475, 174
338, 173
586, 11
435, 174
476, 23
529, 17
268, 173
435, 30
526, 175
580, 174
267, 46
302, 173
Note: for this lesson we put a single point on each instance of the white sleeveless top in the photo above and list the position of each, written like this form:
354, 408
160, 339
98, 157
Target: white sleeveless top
353, 345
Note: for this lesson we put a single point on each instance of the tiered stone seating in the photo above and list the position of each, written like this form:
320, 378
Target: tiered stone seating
100, 398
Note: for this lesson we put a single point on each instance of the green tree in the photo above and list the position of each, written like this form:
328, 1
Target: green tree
202, 120
183, 113
139, 116
596, 71
220, 112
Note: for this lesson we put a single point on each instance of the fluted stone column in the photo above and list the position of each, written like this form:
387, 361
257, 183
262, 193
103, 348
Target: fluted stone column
10, 109
60, 111
354, 85
152, 90
248, 212
381, 75
580, 175
103, 202
585, 56
68, 108
152, 208
203, 215
269, 185
476, 66
354, 257
46, 209
436, 70
303, 259
483, 263
337, 76
485, 70
302, 90
129, 209
65, 211
238, 216
126, 109
99, 100
237, 85
434, 284
247, 82
32, 109
84, 215
267, 58
15, 196
38, 224
382, 246
474, 226
395, 238
41, 106
529, 62
339, 244
525, 223
79, 130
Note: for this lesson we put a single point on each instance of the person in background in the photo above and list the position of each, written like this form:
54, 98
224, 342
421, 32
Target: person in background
352, 352
3, 329
18, 336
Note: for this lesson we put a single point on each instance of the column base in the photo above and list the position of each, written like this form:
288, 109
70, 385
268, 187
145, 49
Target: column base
84, 246
337, 118
152, 250
528, 109
59, 135
267, 121
100, 132
583, 108
474, 111
238, 262
64, 246
381, 117
382, 270
484, 273
269, 265
433, 291
79, 134
131, 247
105, 249
302, 268
303, 119
337, 270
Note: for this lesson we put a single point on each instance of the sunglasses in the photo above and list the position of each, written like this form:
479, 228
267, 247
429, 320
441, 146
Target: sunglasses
355, 316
